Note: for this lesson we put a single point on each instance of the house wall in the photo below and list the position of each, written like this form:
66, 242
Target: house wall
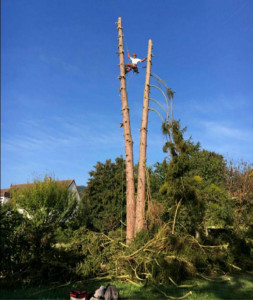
4, 200
74, 190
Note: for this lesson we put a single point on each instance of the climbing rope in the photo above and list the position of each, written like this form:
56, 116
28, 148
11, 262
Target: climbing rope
126, 42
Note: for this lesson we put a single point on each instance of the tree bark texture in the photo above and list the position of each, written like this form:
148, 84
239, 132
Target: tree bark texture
130, 189
141, 188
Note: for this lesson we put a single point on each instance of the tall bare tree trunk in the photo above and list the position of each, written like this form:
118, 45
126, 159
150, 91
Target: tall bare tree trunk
141, 190
130, 189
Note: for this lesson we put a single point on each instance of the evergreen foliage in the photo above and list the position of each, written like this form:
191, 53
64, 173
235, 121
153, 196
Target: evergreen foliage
239, 183
45, 202
104, 196
195, 184
28, 226
46, 237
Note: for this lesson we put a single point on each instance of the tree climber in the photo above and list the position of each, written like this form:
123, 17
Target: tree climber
133, 65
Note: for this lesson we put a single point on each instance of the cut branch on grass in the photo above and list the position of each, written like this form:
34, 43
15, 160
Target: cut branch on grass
134, 283
112, 240
183, 285
207, 246
180, 259
143, 247
214, 280
218, 246
235, 267
171, 297
180, 298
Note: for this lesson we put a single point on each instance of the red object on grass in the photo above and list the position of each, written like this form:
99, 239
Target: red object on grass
78, 294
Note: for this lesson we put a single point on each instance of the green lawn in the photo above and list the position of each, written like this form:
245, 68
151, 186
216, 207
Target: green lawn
229, 287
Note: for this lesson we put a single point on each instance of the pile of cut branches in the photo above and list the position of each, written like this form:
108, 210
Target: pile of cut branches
160, 258
164, 258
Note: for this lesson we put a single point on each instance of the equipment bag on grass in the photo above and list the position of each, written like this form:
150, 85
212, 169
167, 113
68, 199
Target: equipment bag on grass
78, 295
111, 293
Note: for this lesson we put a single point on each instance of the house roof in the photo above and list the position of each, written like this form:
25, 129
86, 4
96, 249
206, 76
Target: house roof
6, 192
60, 182
65, 182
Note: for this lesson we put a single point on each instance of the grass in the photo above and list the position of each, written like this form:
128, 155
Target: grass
230, 287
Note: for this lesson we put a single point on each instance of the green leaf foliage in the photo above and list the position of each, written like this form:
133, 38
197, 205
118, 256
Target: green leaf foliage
28, 227
44, 202
104, 196
196, 178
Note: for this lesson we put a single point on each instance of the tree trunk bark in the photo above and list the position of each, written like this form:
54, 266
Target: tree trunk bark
141, 188
130, 189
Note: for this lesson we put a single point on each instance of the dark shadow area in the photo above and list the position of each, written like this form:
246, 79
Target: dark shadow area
239, 286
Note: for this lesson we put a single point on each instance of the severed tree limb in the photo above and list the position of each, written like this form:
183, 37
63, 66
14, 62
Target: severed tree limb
206, 246
112, 240
183, 285
134, 283
218, 246
179, 298
150, 242
179, 259
171, 297
235, 267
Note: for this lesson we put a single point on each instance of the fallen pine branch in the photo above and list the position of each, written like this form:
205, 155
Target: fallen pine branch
204, 277
171, 297
179, 259
235, 267
218, 246
183, 285
179, 298
112, 240
134, 283
215, 280
143, 247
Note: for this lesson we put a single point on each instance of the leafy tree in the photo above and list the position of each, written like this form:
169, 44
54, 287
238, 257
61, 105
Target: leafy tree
12, 239
154, 204
210, 166
196, 179
38, 210
208, 173
104, 197
157, 174
44, 202
178, 188
239, 182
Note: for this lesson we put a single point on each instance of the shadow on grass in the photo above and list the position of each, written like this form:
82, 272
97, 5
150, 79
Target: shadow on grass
231, 287
238, 287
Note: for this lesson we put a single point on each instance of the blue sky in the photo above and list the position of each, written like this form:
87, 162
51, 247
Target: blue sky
60, 102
